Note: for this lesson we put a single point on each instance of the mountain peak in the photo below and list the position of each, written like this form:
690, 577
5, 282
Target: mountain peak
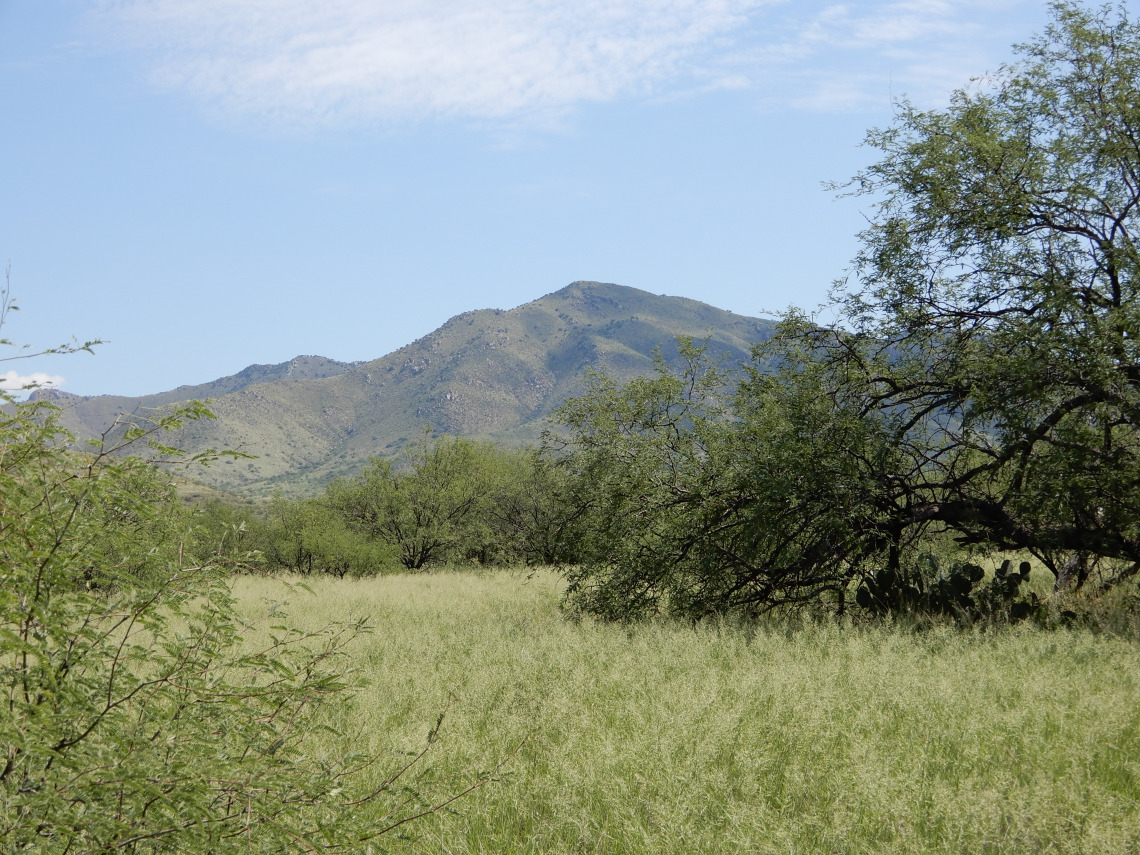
490, 373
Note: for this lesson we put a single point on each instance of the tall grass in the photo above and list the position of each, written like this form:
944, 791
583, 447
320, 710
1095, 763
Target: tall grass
672, 739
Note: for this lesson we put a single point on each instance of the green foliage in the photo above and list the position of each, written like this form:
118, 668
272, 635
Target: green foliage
312, 536
709, 492
132, 719
652, 477
426, 510
227, 531
135, 716
983, 382
449, 501
459, 500
533, 515
996, 314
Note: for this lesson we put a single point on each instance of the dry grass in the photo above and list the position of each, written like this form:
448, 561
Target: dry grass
670, 739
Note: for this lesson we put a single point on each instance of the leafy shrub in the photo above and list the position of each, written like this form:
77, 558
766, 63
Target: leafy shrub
135, 718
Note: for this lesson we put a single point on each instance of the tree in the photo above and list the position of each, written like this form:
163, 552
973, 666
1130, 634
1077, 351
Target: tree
533, 513
994, 318
427, 507
651, 478
314, 536
226, 531
982, 383
459, 500
707, 492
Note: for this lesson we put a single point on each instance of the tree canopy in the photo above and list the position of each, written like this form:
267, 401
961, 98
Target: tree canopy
994, 316
982, 382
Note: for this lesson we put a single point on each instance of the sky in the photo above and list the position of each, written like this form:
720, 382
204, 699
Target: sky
209, 184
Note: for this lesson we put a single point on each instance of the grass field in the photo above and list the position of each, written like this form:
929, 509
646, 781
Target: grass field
669, 739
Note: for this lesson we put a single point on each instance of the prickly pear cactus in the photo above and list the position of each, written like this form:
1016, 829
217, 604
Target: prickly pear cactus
958, 592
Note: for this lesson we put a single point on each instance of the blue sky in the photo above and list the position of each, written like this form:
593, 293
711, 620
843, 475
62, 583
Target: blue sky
207, 184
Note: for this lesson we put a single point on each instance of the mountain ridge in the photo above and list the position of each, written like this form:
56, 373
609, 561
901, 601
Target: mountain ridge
299, 367
488, 373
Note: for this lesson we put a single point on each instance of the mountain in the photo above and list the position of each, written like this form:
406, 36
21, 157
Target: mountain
91, 415
490, 374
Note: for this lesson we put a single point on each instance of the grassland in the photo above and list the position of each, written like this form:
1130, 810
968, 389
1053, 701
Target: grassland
717, 739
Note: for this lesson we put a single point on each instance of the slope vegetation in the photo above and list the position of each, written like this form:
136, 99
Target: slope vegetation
490, 374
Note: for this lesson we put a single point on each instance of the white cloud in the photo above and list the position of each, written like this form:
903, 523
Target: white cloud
851, 55
350, 59
309, 62
873, 25
11, 381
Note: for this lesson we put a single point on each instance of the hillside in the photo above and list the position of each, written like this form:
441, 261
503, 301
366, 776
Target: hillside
490, 373
91, 415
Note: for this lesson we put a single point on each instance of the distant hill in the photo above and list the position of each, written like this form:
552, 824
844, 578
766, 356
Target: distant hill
91, 415
490, 374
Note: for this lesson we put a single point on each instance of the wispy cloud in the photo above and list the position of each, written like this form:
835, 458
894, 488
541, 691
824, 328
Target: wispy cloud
12, 381
851, 55
346, 61
874, 25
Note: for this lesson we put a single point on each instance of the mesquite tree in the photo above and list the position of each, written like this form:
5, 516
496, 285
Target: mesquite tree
982, 383
994, 315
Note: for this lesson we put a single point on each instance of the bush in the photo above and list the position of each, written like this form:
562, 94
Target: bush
309, 536
136, 719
